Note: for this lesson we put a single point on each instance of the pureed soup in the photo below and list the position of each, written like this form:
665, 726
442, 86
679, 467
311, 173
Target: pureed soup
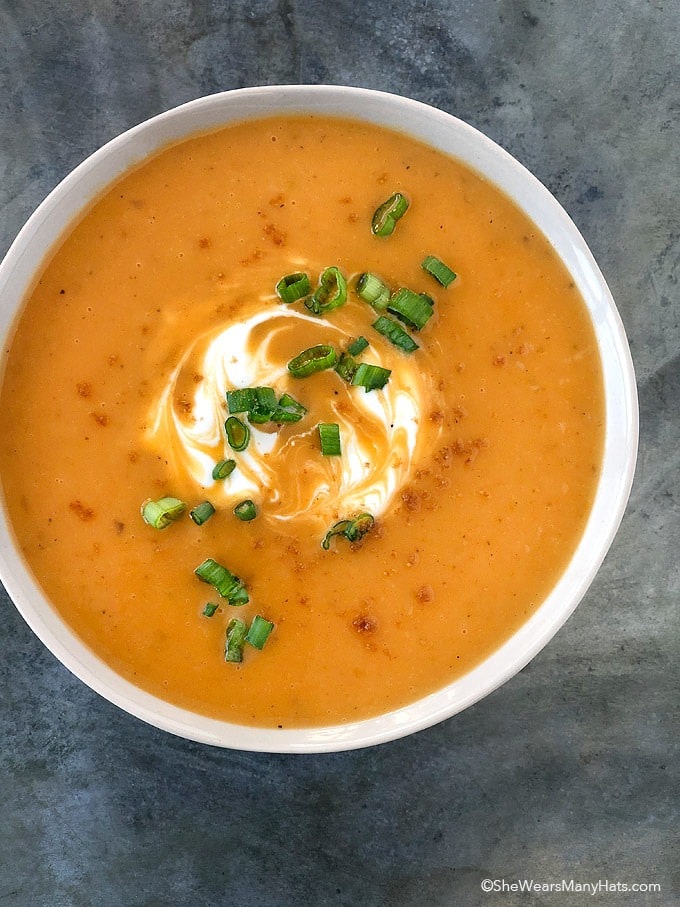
233, 499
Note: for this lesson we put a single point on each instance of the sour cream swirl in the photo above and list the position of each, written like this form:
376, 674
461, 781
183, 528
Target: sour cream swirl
284, 469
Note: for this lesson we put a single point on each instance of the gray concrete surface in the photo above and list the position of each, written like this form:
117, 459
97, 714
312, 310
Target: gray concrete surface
570, 771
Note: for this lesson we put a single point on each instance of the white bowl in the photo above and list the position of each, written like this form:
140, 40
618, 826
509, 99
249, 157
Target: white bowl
450, 135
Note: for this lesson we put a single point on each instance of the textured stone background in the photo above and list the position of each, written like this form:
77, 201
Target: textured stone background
571, 769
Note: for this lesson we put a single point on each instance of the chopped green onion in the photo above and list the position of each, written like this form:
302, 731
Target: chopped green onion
352, 530
293, 287
259, 631
239, 596
330, 294
395, 334
371, 377
236, 636
359, 526
223, 469
414, 309
246, 510
288, 410
263, 405
202, 512
238, 434
346, 367
210, 609
357, 346
386, 215
257, 402
315, 359
329, 436
288, 402
226, 584
337, 529
240, 400
436, 268
162, 512
372, 290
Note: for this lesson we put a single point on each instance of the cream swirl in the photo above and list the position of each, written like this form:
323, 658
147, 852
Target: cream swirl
284, 469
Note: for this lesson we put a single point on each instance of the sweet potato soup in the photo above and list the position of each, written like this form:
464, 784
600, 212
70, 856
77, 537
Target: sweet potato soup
241, 505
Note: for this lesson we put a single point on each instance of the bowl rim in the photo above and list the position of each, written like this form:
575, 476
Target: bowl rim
453, 136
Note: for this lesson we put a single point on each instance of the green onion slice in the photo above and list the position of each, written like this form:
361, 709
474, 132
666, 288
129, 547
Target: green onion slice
352, 530
441, 272
259, 631
257, 402
395, 334
315, 359
329, 436
293, 287
357, 346
221, 579
288, 410
246, 510
240, 400
359, 526
371, 377
338, 528
238, 434
263, 405
162, 512
414, 309
236, 637
223, 469
240, 596
386, 215
346, 367
373, 290
210, 609
330, 294
202, 512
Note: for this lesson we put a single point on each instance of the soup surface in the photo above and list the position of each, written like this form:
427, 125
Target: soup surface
478, 459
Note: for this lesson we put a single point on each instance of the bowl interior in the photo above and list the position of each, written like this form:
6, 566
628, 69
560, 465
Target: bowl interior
451, 136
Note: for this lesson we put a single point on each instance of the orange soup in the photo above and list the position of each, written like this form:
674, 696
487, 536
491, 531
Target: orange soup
380, 555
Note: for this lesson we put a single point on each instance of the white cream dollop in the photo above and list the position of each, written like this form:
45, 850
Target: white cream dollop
283, 470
